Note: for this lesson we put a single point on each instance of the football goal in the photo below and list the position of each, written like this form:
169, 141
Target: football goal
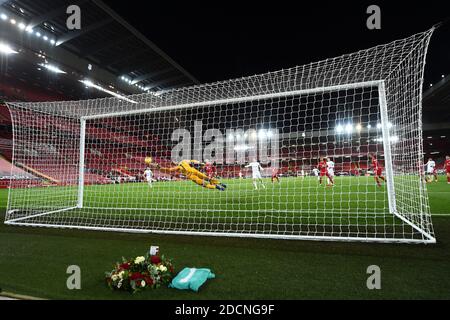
331, 150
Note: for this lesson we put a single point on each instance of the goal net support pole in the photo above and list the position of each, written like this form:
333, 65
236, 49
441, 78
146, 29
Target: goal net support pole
81, 163
387, 147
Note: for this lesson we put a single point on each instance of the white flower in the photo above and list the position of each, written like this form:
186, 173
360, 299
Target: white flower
119, 284
162, 268
143, 283
121, 274
139, 260
114, 277
153, 268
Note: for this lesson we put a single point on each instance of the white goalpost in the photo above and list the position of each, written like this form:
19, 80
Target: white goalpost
86, 159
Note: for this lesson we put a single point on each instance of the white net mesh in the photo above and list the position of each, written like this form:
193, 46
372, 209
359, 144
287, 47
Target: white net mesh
344, 109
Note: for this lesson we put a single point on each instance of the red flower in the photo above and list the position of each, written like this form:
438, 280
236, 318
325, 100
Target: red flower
155, 259
148, 281
136, 276
124, 266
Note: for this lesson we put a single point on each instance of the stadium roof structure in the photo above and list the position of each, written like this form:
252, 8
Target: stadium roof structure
365, 68
107, 49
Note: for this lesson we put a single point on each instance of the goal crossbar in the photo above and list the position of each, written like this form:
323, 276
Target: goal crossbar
349, 86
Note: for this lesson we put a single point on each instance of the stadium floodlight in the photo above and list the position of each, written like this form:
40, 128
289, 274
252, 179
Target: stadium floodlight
29, 29
37, 34
349, 128
358, 127
92, 153
4, 17
90, 84
261, 133
22, 26
6, 49
13, 21
52, 68
339, 129
369, 126
394, 139
241, 148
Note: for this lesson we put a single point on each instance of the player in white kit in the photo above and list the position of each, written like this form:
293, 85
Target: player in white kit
431, 170
302, 174
256, 173
148, 175
316, 173
330, 169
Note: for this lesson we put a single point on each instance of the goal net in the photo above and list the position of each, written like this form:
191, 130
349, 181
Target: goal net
331, 150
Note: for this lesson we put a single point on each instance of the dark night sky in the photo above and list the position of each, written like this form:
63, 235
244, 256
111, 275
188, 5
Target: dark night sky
229, 40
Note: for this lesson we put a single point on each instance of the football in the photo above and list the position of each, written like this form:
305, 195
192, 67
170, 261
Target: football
148, 160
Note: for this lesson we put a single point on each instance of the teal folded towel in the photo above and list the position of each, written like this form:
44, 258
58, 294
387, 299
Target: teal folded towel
191, 278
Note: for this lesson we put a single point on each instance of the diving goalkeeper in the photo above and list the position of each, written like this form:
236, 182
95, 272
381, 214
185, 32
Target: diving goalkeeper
191, 170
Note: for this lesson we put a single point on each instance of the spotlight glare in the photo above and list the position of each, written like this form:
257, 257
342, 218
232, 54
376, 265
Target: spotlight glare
52, 68
90, 84
3, 16
6, 49
13, 21
22, 26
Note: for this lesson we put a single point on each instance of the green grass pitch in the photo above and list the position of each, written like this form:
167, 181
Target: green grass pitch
33, 261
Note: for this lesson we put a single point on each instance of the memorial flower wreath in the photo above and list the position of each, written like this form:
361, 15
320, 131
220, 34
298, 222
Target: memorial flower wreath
142, 272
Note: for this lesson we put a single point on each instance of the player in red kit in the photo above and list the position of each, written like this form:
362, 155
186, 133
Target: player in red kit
323, 168
435, 174
275, 175
377, 169
447, 168
210, 169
